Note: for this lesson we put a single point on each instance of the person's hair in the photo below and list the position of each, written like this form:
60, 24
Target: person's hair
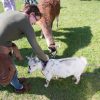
29, 8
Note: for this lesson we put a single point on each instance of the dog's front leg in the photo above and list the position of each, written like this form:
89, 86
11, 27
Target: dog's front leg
77, 79
48, 78
47, 83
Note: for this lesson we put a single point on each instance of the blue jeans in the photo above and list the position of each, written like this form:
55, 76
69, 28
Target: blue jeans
15, 82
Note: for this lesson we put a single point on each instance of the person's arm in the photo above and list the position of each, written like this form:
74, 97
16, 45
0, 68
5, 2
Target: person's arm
30, 34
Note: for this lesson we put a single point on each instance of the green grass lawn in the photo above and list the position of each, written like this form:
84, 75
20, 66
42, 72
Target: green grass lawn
78, 35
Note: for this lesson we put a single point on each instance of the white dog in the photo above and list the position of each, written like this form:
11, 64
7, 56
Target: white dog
59, 67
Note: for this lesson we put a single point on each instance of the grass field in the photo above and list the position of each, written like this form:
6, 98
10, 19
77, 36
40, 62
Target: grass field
78, 35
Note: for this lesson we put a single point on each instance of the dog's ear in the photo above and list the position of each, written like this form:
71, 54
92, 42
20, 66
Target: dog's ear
36, 58
28, 57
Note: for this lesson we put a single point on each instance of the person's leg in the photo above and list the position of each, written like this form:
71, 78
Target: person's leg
5, 50
19, 84
6, 5
12, 3
15, 82
7, 70
10, 72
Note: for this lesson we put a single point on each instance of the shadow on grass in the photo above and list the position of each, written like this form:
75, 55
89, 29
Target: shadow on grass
65, 89
75, 38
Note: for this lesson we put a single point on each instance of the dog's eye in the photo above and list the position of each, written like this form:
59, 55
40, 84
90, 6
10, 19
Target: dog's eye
29, 67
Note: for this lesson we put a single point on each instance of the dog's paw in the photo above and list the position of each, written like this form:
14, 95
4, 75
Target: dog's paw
76, 82
45, 85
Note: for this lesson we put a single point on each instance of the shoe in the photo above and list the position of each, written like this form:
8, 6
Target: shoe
22, 80
26, 88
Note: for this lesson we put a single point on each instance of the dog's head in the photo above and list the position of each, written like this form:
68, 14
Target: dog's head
32, 64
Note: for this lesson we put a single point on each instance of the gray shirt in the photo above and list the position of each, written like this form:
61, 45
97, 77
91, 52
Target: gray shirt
15, 25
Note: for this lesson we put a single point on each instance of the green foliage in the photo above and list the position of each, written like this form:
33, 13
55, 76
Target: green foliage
78, 35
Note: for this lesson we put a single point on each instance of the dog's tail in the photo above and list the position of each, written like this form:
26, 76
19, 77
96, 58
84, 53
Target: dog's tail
84, 60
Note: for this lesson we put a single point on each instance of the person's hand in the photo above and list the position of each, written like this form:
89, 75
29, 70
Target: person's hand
5, 50
16, 52
44, 63
53, 51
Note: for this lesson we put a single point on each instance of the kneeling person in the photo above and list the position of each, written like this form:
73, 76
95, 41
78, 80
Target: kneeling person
13, 26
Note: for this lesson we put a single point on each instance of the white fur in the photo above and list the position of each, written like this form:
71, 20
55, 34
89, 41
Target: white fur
62, 68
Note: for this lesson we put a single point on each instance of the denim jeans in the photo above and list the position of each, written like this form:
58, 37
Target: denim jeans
15, 82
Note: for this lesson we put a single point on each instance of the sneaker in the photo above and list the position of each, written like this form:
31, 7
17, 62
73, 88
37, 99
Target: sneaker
22, 80
26, 88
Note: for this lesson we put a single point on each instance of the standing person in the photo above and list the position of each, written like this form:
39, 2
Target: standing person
46, 8
8, 5
13, 26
